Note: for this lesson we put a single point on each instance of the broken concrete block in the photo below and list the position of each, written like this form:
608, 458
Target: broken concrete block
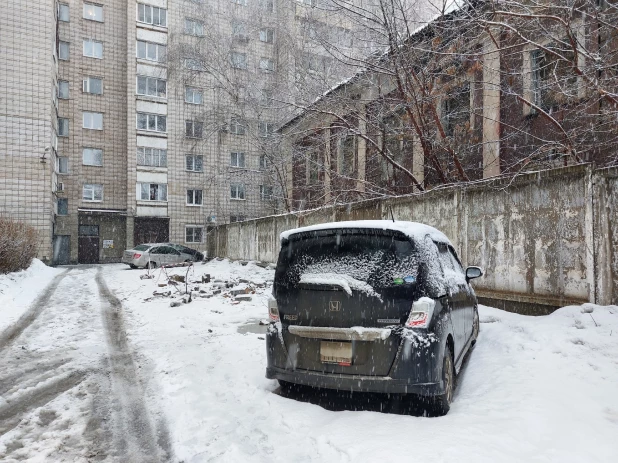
243, 298
178, 278
161, 285
175, 304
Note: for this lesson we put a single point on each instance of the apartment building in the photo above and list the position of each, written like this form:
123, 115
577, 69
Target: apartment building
150, 120
28, 72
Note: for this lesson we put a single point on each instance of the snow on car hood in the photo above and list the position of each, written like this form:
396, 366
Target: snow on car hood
414, 230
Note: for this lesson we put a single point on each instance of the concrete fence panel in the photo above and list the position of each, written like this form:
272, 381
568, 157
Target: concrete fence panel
545, 239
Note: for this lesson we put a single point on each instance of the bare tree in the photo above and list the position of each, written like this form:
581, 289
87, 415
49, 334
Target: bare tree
484, 88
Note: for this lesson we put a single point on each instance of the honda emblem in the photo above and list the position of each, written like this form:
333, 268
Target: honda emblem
335, 306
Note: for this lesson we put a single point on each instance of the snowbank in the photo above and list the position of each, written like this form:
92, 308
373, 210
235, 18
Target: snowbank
19, 289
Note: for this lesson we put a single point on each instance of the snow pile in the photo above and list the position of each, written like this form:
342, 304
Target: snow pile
19, 289
345, 282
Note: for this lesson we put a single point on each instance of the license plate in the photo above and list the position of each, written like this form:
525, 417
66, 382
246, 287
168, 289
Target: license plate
339, 353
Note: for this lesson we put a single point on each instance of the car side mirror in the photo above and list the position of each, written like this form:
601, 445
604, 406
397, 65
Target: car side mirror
473, 272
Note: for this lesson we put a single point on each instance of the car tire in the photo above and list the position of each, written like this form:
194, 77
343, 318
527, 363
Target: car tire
133, 266
442, 403
151, 265
476, 326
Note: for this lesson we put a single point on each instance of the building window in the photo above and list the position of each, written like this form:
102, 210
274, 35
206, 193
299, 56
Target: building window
62, 165
151, 122
92, 157
268, 5
151, 157
93, 48
193, 234
151, 51
63, 89
237, 159
237, 126
553, 80
151, 86
237, 191
193, 95
238, 60
346, 155
263, 161
266, 129
152, 191
63, 50
267, 64
456, 110
194, 163
63, 206
240, 2
266, 192
194, 27
92, 85
237, 218
93, 121
63, 127
63, 12
194, 197
92, 192
93, 12
267, 35
266, 97
239, 30
194, 64
148, 14
194, 129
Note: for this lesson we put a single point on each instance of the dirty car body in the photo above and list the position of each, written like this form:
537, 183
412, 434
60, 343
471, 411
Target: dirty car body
372, 306
154, 255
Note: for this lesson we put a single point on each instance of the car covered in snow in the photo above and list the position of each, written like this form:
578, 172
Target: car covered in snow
373, 306
155, 255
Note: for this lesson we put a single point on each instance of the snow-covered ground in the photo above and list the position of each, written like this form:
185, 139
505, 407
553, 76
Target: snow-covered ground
534, 389
18, 290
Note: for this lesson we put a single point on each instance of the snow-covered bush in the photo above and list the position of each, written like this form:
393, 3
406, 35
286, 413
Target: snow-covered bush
18, 245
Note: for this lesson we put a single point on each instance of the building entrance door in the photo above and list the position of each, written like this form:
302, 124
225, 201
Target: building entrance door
62, 250
88, 244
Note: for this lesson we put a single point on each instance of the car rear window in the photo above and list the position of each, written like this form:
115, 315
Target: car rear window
141, 247
373, 259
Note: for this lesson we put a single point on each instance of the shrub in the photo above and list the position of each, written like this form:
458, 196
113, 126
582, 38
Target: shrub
18, 245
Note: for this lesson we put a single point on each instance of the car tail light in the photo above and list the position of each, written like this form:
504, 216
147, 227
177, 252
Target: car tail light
273, 310
422, 311
136, 256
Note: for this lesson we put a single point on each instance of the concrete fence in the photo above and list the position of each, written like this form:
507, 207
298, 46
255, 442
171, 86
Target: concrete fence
545, 239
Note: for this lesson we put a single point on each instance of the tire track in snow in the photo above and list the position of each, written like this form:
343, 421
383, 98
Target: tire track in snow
16, 329
138, 437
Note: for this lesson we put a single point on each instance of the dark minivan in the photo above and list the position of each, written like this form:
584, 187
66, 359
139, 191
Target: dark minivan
372, 306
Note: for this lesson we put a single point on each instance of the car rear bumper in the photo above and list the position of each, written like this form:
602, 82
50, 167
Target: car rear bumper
383, 384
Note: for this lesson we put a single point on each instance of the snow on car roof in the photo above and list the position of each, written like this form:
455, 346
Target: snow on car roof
411, 229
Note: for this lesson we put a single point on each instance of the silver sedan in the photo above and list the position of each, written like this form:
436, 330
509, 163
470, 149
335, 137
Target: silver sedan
154, 255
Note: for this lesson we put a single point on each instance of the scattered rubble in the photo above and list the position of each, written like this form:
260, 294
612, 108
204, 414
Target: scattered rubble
183, 288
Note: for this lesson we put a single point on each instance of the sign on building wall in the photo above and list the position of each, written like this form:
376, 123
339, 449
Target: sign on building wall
108, 244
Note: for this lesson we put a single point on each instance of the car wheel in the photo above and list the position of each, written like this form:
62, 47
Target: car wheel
133, 266
475, 326
151, 265
442, 403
